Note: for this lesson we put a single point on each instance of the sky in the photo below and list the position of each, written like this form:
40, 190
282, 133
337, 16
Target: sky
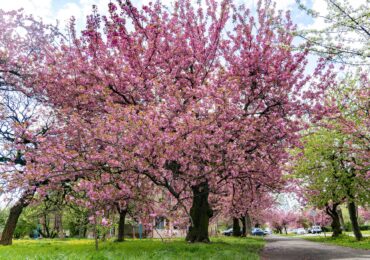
52, 10
62, 10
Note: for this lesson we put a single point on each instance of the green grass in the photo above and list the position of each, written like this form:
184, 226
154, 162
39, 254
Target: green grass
364, 232
220, 248
328, 234
343, 240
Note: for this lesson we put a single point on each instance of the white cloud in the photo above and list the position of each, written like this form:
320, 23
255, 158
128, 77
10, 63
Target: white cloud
322, 7
81, 8
69, 9
38, 8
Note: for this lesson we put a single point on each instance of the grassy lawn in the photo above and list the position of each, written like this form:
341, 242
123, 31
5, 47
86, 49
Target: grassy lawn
328, 234
343, 240
220, 248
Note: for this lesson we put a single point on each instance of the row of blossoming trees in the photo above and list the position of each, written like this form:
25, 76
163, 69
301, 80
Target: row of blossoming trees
198, 104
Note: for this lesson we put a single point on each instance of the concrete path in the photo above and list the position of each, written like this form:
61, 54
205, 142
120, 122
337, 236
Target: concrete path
287, 248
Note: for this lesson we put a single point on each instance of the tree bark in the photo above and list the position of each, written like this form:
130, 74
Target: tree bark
335, 220
341, 220
244, 228
200, 213
335, 225
353, 216
248, 224
121, 225
236, 227
83, 222
11, 222
46, 226
286, 231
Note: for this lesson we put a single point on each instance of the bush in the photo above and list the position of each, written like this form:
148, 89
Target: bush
327, 229
24, 228
348, 226
3, 216
365, 227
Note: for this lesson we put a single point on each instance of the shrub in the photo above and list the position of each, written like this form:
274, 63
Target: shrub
365, 227
327, 229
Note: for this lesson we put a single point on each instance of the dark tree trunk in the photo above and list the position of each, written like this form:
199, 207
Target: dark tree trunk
341, 220
353, 216
335, 221
11, 222
286, 231
85, 232
244, 228
200, 214
335, 225
83, 227
121, 224
45, 226
236, 227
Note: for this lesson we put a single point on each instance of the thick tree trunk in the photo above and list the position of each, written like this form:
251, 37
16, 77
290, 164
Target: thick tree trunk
244, 228
236, 227
353, 216
341, 220
11, 223
121, 225
335, 225
335, 220
200, 214
248, 224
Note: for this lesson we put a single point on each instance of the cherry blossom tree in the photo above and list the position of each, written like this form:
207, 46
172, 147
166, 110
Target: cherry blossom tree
175, 97
319, 217
365, 214
247, 202
23, 119
282, 219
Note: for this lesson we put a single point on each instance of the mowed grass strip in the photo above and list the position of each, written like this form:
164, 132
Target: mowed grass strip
220, 248
343, 240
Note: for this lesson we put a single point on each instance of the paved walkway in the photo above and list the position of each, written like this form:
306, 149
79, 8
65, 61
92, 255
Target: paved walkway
287, 248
